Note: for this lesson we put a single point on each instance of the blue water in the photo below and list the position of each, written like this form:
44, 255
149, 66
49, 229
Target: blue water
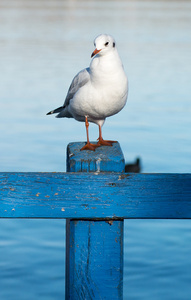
43, 44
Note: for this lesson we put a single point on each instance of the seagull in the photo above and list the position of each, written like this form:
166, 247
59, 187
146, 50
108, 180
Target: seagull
97, 92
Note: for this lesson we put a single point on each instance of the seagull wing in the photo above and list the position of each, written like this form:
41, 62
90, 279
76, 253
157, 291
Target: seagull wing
79, 81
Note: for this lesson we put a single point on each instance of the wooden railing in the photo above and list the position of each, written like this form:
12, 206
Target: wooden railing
95, 196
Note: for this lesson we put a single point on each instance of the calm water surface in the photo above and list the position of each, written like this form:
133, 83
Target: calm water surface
43, 44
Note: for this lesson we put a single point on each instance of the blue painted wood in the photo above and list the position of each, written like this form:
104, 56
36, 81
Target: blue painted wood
103, 159
93, 245
87, 196
95, 257
94, 249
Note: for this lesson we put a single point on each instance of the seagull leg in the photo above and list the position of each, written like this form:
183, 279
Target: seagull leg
103, 142
88, 146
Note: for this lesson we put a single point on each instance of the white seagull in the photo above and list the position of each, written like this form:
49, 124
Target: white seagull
97, 92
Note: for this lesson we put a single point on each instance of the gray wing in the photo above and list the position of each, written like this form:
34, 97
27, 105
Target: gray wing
79, 80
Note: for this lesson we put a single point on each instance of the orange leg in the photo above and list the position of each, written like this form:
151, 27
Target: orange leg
103, 142
88, 146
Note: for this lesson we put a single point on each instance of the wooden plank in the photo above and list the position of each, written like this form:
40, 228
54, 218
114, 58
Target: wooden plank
86, 195
94, 260
94, 249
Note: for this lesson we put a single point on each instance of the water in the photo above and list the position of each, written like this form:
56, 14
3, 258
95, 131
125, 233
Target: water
43, 44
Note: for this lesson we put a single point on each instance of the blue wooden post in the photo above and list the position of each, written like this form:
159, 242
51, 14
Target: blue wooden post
94, 248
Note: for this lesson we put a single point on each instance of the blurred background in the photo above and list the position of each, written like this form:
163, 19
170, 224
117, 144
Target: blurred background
43, 44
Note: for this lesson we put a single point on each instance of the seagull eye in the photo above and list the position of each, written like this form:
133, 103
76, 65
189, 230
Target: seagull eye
107, 43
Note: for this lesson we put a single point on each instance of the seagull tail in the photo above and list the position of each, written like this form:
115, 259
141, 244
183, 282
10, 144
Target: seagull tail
57, 110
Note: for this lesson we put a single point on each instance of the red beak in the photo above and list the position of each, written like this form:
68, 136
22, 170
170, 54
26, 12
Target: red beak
95, 52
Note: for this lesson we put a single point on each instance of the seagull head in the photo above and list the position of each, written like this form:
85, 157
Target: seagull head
103, 43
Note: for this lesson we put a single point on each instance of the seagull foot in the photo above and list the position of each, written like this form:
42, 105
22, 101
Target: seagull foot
102, 142
90, 146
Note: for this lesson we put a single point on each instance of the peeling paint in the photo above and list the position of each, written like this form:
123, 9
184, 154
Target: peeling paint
110, 222
123, 176
98, 165
62, 209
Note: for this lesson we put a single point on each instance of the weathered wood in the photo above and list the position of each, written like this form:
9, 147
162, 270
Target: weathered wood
86, 195
95, 204
94, 260
94, 249
104, 159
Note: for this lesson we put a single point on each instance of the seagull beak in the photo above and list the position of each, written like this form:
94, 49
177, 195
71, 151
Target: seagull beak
95, 52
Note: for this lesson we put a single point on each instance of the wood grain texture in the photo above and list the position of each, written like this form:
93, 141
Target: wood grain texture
87, 196
103, 159
94, 249
94, 260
